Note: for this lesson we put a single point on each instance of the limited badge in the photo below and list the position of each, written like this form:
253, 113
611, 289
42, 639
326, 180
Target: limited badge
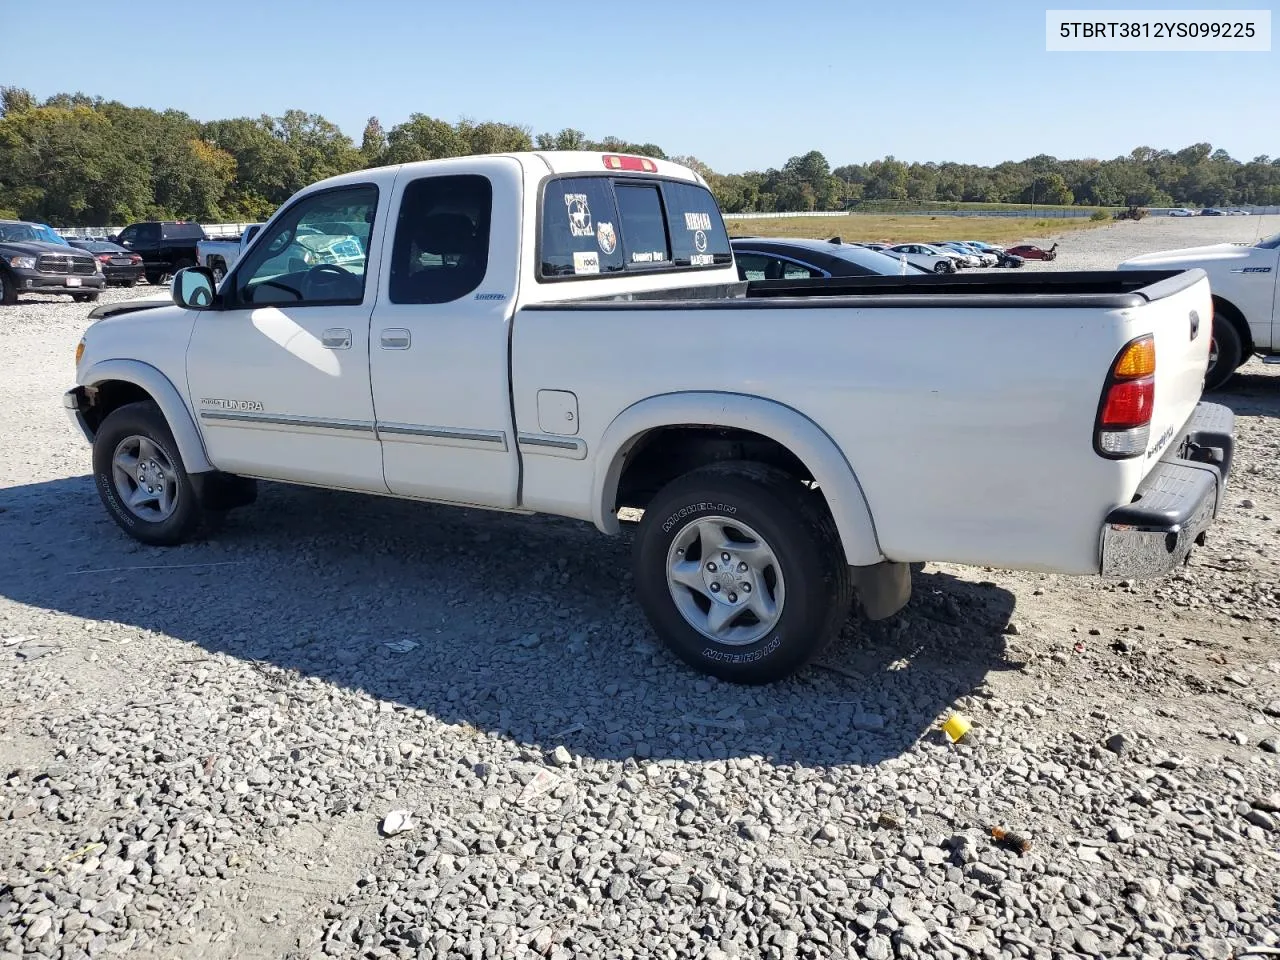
579, 214
607, 238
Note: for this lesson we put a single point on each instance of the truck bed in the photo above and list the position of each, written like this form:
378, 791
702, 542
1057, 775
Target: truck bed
965, 405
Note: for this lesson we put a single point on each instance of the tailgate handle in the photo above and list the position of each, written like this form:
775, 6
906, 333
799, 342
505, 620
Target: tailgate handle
1195, 324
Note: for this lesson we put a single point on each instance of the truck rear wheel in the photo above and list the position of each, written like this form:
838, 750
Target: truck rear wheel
740, 571
141, 478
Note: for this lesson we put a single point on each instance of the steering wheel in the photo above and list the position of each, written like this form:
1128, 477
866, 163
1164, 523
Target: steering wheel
337, 273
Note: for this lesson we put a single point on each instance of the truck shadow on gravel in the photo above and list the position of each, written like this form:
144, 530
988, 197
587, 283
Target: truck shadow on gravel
1253, 391
524, 628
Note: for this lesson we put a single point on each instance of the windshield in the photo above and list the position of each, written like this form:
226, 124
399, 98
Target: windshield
1270, 243
18, 232
45, 233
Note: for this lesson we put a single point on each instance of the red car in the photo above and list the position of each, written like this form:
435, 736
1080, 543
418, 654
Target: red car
1029, 251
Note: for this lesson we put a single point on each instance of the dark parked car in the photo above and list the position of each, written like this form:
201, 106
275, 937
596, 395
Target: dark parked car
31, 263
788, 258
166, 246
1212, 212
119, 266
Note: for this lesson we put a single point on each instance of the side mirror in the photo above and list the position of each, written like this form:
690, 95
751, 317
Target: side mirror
193, 288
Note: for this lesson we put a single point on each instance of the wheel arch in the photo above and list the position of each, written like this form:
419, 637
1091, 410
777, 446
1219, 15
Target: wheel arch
795, 433
1235, 316
109, 384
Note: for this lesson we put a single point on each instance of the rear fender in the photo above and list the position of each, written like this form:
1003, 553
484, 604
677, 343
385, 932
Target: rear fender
161, 389
786, 426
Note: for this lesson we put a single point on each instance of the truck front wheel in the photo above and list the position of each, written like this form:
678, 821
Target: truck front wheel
740, 571
141, 478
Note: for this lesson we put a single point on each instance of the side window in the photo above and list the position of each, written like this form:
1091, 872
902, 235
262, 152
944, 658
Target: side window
128, 234
795, 271
441, 248
148, 233
314, 255
644, 230
759, 266
580, 229
751, 266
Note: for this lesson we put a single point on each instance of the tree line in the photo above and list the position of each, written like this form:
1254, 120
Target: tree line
76, 160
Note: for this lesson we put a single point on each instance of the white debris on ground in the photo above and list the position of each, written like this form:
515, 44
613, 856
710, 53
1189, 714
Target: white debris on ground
201, 761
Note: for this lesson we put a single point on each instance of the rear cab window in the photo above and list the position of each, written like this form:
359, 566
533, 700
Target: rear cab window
598, 225
183, 231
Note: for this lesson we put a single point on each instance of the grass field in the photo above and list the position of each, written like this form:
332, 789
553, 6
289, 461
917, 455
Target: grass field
873, 227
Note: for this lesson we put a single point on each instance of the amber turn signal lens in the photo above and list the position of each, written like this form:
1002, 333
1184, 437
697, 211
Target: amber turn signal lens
1138, 359
79, 351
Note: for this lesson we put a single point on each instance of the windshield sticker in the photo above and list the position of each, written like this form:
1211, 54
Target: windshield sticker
586, 261
607, 238
697, 221
700, 241
579, 214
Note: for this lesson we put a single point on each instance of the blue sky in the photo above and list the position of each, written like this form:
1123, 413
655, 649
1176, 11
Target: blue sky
741, 84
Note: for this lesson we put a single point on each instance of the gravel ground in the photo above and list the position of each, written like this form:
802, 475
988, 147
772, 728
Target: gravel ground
199, 746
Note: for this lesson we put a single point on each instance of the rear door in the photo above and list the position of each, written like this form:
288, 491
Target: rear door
440, 334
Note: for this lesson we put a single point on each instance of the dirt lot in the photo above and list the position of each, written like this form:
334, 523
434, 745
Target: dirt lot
197, 745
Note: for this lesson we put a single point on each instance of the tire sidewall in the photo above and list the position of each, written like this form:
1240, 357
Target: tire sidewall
1230, 349
143, 419
792, 641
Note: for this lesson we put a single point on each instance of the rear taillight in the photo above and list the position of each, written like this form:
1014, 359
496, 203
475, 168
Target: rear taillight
1123, 426
104, 257
135, 259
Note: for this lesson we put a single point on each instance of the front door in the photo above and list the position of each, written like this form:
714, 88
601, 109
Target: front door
440, 335
279, 375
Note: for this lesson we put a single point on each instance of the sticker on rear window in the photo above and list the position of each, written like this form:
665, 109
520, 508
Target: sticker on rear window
700, 241
607, 238
701, 260
579, 214
697, 221
585, 261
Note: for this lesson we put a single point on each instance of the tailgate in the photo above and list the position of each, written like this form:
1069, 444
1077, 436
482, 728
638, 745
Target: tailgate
1179, 312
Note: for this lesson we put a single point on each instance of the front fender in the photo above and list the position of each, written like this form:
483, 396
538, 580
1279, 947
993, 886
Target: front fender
804, 438
176, 412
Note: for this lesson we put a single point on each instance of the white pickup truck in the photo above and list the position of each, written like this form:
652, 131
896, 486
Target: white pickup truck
1246, 299
220, 254
566, 333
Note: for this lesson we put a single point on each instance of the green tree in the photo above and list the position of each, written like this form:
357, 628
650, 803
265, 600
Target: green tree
373, 144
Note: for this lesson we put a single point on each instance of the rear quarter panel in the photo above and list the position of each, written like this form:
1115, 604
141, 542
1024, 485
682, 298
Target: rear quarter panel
970, 430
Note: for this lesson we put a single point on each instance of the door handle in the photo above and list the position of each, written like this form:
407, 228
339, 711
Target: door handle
396, 338
336, 338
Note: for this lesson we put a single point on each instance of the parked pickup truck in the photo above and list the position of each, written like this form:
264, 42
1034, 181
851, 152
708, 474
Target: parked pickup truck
166, 246
566, 333
221, 254
1246, 299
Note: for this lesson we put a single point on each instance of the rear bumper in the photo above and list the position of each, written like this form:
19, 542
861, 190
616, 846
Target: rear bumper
1177, 501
